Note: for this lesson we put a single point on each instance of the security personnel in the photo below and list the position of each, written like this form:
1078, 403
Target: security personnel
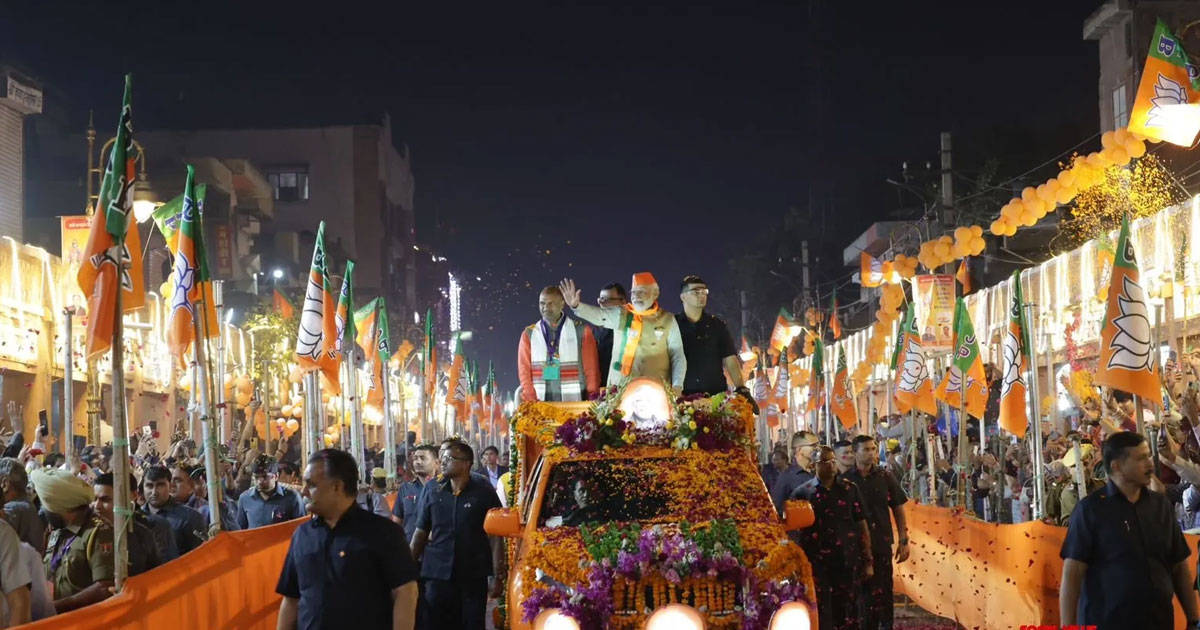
144, 553
452, 546
79, 554
345, 567
267, 501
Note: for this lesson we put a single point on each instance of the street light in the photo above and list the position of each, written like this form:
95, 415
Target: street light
277, 273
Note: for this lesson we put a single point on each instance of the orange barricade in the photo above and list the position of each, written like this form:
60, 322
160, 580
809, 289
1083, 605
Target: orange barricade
986, 576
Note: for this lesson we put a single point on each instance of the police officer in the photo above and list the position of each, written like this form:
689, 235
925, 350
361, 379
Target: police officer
453, 548
144, 551
79, 554
267, 501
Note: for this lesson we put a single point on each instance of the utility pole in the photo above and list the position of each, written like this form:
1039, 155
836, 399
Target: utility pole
804, 279
947, 217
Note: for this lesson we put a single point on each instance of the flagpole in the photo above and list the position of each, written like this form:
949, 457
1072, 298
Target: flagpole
68, 387
1039, 489
210, 442
963, 440
389, 429
219, 379
122, 514
356, 427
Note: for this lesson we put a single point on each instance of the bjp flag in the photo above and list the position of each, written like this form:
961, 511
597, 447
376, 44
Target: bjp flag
834, 324
191, 286
966, 368
816, 377
429, 360
1126, 361
1166, 107
316, 340
782, 333
284, 305
842, 400
371, 325
913, 387
1013, 416
107, 267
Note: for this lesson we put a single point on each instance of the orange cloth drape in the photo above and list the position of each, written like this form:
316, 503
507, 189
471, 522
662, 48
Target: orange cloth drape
986, 576
229, 582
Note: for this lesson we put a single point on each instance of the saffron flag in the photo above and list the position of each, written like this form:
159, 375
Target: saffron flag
965, 361
284, 305
370, 326
1126, 361
841, 401
343, 325
963, 275
834, 324
816, 377
1166, 105
459, 382
1013, 416
474, 399
166, 217
191, 284
913, 387
316, 340
874, 272
782, 333
429, 360
106, 267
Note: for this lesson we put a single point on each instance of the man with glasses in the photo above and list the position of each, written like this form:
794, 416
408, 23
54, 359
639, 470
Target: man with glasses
456, 555
613, 295
267, 502
707, 344
646, 340
804, 450
556, 358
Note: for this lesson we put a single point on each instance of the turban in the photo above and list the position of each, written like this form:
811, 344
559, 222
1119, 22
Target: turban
60, 491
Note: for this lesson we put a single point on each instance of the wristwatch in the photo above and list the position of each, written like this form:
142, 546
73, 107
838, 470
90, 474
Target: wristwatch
903, 541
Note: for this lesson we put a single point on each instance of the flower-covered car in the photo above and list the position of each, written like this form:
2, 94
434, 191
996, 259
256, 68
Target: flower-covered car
638, 511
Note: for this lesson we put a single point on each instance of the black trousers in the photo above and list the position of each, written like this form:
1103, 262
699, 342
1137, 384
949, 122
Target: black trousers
837, 596
456, 604
877, 595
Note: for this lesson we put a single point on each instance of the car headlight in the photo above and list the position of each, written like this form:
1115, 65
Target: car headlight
554, 619
791, 616
675, 617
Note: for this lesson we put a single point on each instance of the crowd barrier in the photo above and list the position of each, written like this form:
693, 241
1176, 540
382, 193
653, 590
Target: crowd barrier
987, 576
228, 583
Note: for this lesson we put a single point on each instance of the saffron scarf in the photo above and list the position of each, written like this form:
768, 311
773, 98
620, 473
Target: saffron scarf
631, 335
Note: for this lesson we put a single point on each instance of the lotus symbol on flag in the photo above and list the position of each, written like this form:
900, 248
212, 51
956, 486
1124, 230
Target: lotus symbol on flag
1012, 364
185, 279
913, 369
843, 399
1131, 344
954, 379
308, 342
1167, 93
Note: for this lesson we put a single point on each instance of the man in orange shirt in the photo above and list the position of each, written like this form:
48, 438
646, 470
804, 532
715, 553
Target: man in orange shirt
556, 359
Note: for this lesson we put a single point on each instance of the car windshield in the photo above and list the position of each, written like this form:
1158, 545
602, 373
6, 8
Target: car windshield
659, 489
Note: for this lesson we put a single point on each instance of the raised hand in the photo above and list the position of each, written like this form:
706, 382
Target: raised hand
570, 293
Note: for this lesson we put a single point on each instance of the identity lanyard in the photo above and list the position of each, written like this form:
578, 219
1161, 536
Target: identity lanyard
552, 342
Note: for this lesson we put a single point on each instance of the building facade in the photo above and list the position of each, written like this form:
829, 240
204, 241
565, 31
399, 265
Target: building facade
351, 176
22, 97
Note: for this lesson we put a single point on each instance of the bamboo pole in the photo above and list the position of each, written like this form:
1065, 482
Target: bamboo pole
206, 418
389, 427
122, 507
1039, 487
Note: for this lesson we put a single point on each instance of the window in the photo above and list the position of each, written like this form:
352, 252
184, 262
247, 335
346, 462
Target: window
1120, 108
290, 183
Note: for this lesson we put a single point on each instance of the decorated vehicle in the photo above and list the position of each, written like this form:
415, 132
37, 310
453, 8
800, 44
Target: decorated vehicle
642, 510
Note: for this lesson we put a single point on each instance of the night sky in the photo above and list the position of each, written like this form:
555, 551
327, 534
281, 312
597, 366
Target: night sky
599, 139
